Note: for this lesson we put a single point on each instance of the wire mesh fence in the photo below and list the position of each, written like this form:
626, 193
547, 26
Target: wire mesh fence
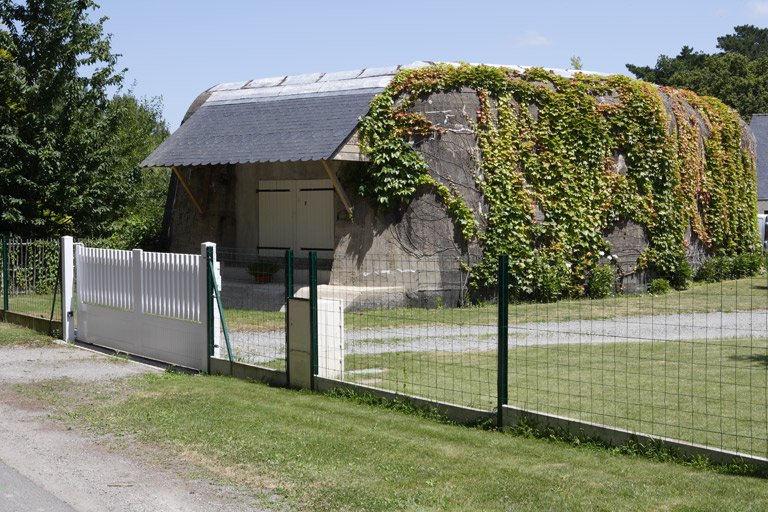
408, 327
690, 364
254, 291
29, 281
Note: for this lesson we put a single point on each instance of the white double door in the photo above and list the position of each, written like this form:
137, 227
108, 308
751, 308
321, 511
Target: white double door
296, 214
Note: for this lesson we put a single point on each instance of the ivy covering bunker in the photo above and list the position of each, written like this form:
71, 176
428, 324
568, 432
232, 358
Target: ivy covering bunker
549, 143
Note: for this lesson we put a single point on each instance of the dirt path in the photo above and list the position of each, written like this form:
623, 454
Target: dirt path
86, 472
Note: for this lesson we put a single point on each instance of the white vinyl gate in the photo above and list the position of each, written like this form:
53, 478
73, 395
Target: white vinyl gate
148, 304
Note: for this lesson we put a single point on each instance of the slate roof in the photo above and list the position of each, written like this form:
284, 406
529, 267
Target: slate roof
759, 126
305, 128
288, 118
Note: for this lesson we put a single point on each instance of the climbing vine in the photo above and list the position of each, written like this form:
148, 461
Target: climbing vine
551, 179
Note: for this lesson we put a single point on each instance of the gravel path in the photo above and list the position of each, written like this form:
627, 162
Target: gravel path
265, 346
83, 471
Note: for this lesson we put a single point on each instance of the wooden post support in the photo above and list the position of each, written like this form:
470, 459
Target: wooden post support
186, 187
337, 186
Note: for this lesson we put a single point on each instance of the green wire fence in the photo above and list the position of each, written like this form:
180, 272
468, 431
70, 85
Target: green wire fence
689, 365
30, 277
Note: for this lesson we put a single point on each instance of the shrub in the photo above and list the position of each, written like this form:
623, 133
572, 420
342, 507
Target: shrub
550, 282
720, 268
714, 269
746, 265
659, 287
600, 282
682, 275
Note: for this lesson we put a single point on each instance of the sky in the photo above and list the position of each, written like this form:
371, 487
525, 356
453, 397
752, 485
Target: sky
177, 49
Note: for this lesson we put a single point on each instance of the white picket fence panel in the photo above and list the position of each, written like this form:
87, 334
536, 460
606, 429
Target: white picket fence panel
149, 304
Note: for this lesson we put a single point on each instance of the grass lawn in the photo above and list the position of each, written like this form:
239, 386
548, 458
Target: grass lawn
34, 305
306, 451
324, 453
12, 334
712, 392
738, 295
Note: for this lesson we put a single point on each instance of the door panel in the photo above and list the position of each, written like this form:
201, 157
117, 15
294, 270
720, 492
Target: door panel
276, 215
296, 214
314, 215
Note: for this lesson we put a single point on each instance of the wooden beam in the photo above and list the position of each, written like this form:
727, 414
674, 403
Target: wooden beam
186, 187
337, 186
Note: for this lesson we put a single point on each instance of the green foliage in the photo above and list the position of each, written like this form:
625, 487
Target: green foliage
32, 266
563, 164
723, 267
601, 282
747, 265
737, 76
68, 154
748, 40
659, 286
549, 284
576, 62
398, 171
141, 130
680, 278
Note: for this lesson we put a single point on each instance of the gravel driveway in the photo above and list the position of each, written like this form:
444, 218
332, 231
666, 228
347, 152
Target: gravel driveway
264, 346
82, 470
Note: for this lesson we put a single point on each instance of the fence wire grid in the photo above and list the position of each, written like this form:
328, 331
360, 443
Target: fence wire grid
688, 364
29, 279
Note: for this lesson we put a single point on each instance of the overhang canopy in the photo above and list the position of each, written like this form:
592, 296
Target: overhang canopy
278, 130
290, 118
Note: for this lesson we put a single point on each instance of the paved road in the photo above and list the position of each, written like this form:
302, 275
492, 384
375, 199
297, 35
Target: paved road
20, 494
264, 346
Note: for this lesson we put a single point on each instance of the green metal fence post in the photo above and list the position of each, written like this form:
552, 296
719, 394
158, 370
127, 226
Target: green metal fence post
288, 296
209, 300
503, 323
313, 312
5, 276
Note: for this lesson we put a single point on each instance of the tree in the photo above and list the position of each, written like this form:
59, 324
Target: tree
749, 41
736, 76
63, 144
576, 62
667, 67
142, 129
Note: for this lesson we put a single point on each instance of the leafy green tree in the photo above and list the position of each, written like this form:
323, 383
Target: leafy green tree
576, 62
749, 41
141, 130
68, 154
737, 76
668, 67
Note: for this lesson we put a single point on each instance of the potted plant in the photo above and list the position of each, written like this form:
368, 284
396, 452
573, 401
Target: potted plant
262, 271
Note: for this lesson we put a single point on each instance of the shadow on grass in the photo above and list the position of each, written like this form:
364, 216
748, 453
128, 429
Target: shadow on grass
756, 359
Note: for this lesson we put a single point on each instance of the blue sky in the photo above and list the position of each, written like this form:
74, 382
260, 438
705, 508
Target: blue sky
178, 49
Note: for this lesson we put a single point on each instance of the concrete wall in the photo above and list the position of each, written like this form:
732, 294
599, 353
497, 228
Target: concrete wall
186, 228
417, 246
